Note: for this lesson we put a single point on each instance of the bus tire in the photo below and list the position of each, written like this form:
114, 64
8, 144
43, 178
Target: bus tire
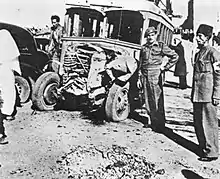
117, 107
45, 88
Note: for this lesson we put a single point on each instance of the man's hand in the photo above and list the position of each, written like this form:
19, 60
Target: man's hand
215, 102
162, 69
139, 84
216, 66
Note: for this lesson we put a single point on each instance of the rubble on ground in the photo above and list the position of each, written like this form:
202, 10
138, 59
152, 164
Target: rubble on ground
106, 163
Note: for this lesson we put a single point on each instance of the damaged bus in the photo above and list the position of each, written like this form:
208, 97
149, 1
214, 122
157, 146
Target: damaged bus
99, 59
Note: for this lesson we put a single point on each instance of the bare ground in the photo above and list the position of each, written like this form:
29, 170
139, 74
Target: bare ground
66, 144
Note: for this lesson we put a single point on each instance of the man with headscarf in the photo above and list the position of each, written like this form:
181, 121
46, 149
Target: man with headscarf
206, 94
8, 62
180, 67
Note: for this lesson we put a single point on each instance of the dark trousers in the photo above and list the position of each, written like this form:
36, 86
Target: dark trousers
54, 64
182, 82
206, 128
154, 97
2, 128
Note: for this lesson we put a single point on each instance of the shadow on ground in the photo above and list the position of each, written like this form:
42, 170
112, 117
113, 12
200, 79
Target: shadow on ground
188, 174
187, 144
171, 84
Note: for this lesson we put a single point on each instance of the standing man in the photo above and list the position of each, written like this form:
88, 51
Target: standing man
180, 67
206, 94
57, 32
8, 62
151, 69
216, 41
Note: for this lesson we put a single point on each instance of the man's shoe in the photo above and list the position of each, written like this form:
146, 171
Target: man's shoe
158, 128
9, 118
3, 140
146, 126
207, 159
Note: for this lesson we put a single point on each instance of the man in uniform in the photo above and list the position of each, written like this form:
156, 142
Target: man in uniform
151, 69
206, 94
57, 32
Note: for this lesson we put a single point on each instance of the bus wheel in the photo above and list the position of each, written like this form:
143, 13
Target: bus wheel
23, 89
45, 91
117, 105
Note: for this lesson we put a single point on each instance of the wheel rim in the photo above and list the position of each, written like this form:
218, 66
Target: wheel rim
18, 87
50, 97
122, 104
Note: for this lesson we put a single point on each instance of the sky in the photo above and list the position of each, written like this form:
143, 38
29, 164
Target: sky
30, 12
207, 12
38, 12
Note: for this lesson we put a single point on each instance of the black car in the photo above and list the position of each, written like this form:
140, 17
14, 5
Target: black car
32, 60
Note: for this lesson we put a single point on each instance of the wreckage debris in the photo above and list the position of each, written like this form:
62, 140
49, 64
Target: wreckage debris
106, 163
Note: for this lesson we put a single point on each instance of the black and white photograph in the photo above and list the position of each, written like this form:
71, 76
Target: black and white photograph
109, 89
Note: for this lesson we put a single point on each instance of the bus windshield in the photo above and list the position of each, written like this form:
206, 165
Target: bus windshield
83, 22
124, 25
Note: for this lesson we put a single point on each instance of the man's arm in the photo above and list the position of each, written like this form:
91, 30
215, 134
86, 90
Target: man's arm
58, 34
215, 59
172, 57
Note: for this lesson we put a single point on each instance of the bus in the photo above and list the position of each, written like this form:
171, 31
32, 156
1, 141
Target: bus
95, 39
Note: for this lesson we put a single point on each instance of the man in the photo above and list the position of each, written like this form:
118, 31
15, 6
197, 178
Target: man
206, 94
151, 58
180, 67
57, 32
216, 41
8, 61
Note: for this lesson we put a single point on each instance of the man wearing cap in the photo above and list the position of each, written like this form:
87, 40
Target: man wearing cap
151, 69
205, 94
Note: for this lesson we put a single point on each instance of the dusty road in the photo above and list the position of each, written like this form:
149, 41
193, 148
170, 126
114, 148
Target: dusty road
65, 144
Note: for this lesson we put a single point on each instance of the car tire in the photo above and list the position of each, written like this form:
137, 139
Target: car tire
23, 89
43, 97
32, 84
117, 107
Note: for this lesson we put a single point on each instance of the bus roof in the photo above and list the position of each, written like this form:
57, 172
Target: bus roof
145, 7
79, 8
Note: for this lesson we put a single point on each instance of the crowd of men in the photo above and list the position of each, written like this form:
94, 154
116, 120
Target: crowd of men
205, 94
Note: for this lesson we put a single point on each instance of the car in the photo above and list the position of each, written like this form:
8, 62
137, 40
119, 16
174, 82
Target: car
32, 60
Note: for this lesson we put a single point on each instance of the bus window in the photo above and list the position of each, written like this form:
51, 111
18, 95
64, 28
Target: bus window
153, 23
159, 31
166, 35
162, 33
170, 36
83, 22
125, 25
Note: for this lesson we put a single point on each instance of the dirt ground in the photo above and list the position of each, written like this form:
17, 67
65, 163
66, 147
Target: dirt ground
66, 144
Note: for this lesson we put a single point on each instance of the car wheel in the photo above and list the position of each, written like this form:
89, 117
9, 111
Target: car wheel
44, 96
117, 105
23, 89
